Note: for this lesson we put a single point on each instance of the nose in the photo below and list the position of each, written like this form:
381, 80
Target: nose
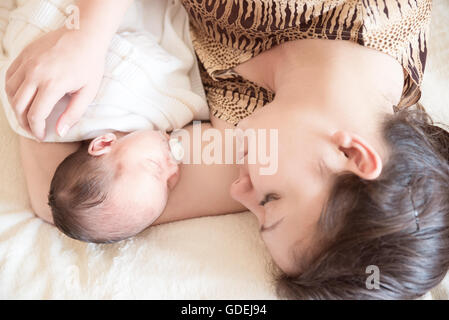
164, 135
242, 190
242, 147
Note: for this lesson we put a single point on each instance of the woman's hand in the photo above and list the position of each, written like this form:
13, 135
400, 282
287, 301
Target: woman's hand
59, 63
64, 62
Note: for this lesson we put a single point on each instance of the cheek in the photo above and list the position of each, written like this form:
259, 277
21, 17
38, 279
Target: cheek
150, 192
154, 199
280, 253
155, 188
298, 166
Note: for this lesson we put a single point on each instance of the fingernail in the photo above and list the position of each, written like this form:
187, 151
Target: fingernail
63, 131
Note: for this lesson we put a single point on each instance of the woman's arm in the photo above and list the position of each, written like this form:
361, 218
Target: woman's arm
101, 18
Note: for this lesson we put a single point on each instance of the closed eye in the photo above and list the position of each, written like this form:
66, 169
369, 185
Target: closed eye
154, 165
268, 197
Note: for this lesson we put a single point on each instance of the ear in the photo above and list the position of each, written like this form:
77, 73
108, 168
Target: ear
102, 144
361, 157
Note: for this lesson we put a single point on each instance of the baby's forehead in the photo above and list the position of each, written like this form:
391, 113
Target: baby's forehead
136, 185
133, 175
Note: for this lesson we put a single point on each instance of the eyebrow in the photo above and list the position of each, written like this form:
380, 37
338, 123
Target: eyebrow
270, 228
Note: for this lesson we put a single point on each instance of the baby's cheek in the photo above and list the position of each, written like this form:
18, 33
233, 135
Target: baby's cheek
157, 200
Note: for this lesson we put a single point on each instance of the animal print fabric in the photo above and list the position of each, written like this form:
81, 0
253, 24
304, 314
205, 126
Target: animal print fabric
226, 33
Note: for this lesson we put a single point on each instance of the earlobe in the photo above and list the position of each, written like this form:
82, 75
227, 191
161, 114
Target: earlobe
362, 158
102, 145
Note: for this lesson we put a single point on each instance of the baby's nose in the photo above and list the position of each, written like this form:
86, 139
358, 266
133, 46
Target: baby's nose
164, 135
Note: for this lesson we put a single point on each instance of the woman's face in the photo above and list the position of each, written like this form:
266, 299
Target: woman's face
328, 116
288, 203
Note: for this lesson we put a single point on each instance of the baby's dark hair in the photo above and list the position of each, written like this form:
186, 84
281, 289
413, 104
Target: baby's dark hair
79, 193
370, 226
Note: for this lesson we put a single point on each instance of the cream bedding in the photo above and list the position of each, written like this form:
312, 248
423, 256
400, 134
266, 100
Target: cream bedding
206, 258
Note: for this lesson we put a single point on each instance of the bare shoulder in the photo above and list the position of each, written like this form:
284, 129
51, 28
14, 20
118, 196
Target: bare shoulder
39, 162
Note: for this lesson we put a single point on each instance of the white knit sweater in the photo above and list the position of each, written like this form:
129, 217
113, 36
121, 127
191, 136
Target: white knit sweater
151, 75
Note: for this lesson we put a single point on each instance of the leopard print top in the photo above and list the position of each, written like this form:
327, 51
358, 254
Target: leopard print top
226, 33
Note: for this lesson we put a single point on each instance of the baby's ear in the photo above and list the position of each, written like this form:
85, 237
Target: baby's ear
102, 144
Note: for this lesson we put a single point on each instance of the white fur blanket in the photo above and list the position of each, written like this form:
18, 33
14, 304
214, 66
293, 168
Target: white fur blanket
206, 258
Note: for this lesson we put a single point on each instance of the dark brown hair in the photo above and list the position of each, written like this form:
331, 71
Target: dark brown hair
372, 223
78, 193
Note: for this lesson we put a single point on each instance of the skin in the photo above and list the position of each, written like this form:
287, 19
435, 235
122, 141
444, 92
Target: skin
195, 194
327, 112
37, 78
331, 134
331, 97
142, 165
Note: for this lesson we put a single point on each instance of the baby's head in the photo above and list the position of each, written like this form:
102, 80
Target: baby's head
113, 187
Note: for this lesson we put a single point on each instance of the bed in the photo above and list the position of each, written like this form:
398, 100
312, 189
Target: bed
206, 258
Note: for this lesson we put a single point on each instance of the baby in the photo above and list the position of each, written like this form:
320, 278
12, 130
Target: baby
145, 77
114, 186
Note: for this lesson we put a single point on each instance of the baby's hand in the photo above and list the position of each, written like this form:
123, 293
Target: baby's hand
60, 62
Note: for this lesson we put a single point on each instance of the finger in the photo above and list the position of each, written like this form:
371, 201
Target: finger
22, 101
13, 84
43, 104
13, 67
75, 110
